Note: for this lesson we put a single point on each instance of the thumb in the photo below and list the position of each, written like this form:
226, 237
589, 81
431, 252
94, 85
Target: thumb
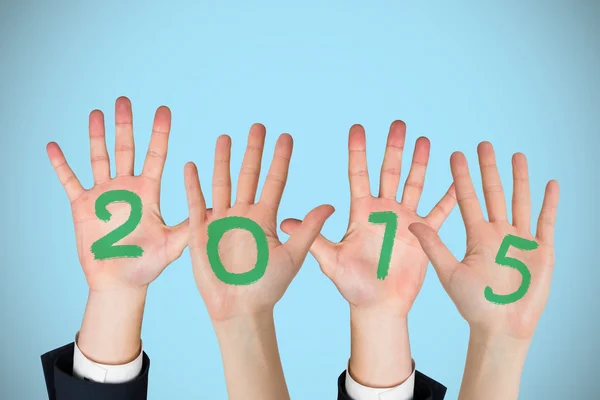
441, 258
306, 235
178, 240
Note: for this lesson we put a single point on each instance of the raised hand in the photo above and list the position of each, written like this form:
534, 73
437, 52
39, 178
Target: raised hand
161, 244
353, 264
237, 248
501, 305
243, 314
120, 280
466, 281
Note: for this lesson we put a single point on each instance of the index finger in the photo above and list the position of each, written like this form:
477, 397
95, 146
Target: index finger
159, 143
65, 173
278, 172
358, 173
465, 192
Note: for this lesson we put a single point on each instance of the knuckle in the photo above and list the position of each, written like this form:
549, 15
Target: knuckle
156, 154
275, 179
68, 180
493, 189
359, 173
471, 195
391, 171
124, 148
221, 182
395, 147
414, 184
246, 170
99, 158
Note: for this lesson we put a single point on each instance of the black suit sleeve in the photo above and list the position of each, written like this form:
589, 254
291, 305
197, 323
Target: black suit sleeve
425, 388
62, 385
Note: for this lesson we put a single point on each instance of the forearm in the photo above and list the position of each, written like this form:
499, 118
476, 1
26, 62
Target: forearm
380, 354
111, 328
493, 368
251, 359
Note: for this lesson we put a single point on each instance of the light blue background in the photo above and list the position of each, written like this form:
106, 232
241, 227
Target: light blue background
523, 76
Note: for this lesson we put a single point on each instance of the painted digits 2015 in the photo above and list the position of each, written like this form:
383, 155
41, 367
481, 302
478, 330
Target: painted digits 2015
217, 229
104, 247
390, 219
502, 259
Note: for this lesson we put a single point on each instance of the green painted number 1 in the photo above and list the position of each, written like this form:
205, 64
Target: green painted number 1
104, 247
390, 219
502, 259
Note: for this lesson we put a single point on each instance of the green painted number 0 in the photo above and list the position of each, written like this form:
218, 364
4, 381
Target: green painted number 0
217, 229
502, 259
104, 247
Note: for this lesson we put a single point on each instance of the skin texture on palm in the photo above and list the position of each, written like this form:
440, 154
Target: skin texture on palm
242, 315
380, 354
111, 327
500, 333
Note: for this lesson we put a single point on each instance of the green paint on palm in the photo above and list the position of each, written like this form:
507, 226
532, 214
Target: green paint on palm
104, 247
390, 219
217, 229
502, 259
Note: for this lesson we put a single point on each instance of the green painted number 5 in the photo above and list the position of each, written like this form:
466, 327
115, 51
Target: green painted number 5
502, 259
104, 247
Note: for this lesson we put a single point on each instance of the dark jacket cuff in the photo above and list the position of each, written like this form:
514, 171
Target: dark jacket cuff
425, 388
62, 385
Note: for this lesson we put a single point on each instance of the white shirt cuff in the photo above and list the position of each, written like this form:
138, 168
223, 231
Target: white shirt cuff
404, 391
83, 368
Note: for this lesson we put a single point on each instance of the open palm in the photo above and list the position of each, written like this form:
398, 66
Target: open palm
352, 264
237, 248
467, 280
160, 244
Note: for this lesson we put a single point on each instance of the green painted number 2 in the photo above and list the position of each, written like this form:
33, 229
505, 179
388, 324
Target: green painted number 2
390, 219
502, 259
104, 247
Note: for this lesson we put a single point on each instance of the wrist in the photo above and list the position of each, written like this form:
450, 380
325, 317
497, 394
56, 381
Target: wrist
251, 361
500, 347
494, 365
244, 324
111, 327
380, 353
